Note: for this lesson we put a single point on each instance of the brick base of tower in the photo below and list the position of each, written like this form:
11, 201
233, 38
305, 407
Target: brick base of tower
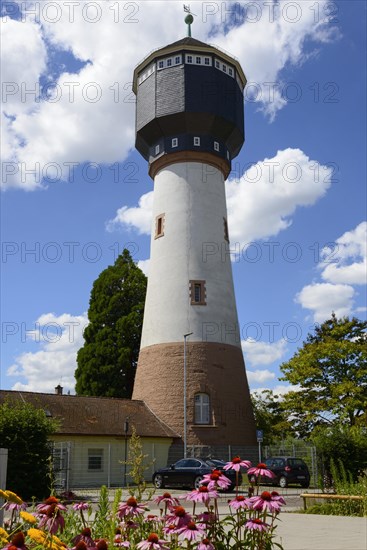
212, 368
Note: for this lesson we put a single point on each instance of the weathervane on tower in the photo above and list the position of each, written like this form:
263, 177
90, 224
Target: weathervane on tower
189, 18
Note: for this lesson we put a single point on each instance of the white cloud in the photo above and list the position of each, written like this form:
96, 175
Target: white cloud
263, 353
137, 217
91, 117
279, 390
262, 201
259, 376
346, 261
273, 35
60, 338
324, 298
255, 210
144, 266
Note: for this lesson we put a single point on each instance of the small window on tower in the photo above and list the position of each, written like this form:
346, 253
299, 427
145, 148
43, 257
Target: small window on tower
196, 141
226, 234
189, 58
216, 146
174, 142
160, 64
217, 64
224, 67
207, 60
197, 293
202, 408
178, 60
198, 60
169, 62
230, 71
159, 226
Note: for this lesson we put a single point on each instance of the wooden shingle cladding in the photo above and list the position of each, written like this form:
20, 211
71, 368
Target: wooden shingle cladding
94, 416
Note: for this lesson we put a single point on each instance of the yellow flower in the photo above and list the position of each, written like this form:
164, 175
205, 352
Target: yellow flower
3, 536
29, 518
12, 497
36, 535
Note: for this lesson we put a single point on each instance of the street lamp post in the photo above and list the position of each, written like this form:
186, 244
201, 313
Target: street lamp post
185, 396
126, 429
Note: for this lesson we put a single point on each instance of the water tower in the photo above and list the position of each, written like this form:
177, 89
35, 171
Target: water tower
189, 127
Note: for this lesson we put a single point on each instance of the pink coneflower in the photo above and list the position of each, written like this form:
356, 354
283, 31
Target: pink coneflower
15, 506
216, 479
203, 494
17, 543
240, 502
130, 508
261, 470
207, 517
50, 502
168, 500
85, 536
205, 545
81, 506
236, 464
192, 531
170, 529
118, 542
52, 519
265, 502
178, 517
278, 497
257, 525
153, 542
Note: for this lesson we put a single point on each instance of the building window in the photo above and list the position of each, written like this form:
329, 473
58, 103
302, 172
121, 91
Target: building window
156, 149
159, 226
198, 60
226, 234
224, 68
207, 60
202, 408
178, 60
189, 58
160, 64
95, 459
216, 146
196, 141
217, 64
169, 62
197, 293
230, 72
174, 142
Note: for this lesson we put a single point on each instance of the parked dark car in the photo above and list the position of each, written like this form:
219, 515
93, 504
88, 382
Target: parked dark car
287, 470
189, 472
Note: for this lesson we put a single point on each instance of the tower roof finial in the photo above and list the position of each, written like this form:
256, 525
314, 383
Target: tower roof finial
188, 19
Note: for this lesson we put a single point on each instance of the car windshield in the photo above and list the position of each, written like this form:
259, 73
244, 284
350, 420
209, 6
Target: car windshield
214, 463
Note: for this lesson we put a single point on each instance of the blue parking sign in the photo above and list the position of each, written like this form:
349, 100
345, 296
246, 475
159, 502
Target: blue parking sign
259, 436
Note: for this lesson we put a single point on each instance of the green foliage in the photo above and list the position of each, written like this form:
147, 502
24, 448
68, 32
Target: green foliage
331, 371
107, 361
270, 417
25, 431
348, 444
138, 466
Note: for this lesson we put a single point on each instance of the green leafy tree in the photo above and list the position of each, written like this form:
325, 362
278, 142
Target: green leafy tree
270, 417
331, 372
107, 361
25, 431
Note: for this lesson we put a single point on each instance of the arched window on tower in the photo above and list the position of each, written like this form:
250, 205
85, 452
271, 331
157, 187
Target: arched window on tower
202, 409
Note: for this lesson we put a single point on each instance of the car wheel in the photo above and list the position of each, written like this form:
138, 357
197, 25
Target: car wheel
158, 481
197, 482
283, 482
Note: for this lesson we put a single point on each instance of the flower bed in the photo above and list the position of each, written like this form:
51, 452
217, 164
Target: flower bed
250, 523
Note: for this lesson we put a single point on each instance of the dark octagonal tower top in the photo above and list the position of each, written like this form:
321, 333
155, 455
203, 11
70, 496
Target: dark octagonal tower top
189, 99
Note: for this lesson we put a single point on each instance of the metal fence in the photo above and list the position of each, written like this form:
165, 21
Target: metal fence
299, 450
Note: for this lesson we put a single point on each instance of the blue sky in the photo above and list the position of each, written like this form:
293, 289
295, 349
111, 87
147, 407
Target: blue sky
297, 217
